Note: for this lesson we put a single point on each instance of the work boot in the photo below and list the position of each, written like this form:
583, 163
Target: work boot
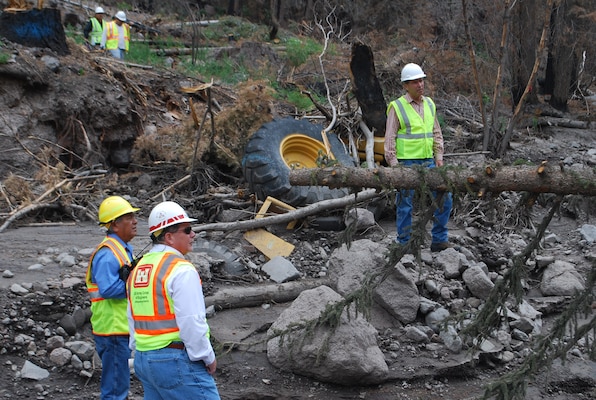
436, 247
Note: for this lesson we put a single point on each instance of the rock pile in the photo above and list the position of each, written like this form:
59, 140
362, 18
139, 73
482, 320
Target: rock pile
408, 333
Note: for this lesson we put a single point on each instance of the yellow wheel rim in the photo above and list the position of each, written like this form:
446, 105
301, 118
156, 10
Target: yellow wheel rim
300, 151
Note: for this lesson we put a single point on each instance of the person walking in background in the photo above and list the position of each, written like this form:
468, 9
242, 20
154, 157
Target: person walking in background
116, 36
93, 30
413, 136
174, 358
108, 295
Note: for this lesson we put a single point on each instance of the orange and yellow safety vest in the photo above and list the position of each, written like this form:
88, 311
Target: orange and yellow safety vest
151, 306
112, 36
108, 315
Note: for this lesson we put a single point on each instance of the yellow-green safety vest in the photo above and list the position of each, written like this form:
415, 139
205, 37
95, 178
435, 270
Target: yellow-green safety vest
108, 315
414, 139
112, 36
151, 306
96, 30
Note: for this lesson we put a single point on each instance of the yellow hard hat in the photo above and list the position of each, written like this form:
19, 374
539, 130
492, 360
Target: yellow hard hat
112, 208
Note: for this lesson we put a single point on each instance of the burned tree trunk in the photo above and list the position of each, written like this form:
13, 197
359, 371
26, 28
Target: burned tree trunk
367, 88
35, 28
545, 178
525, 33
562, 61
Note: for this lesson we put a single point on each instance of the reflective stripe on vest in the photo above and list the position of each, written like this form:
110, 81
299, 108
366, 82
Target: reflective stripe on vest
96, 30
151, 306
414, 139
108, 316
112, 36
120, 254
149, 279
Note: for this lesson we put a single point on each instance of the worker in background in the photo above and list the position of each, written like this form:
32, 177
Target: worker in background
107, 289
94, 28
116, 36
174, 358
413, 136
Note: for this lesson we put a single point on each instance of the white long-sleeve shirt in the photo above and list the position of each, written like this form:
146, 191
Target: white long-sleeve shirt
184, 287
121, 36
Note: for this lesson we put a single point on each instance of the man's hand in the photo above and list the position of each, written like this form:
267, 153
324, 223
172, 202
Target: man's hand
211, 367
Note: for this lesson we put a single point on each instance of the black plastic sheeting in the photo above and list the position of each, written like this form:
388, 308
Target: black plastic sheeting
35, 28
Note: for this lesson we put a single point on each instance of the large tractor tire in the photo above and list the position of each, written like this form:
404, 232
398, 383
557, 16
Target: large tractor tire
285, 144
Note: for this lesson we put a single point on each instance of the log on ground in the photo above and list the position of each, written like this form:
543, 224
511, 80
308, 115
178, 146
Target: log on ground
543, 178
252, 296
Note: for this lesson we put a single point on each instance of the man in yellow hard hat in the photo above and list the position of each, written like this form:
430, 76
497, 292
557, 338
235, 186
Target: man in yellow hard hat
107, 288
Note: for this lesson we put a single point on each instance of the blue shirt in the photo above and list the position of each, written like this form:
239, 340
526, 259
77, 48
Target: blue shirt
104, 270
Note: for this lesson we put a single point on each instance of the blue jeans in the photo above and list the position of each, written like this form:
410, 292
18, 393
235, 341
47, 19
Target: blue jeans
118, 53
115, 374
168, 374
403, 202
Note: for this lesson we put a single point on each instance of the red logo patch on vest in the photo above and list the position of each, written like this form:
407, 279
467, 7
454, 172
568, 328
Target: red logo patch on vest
142, 273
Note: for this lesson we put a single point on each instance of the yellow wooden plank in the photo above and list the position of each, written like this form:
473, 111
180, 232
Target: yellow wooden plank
278, 203
264, 208
268, 244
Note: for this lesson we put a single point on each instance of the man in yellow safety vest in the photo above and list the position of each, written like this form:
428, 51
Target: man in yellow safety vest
116, 36
107, 289
174, 358
94, 28
413, 136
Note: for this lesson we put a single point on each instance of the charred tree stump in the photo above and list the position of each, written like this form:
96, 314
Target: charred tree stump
367, 89
35, 28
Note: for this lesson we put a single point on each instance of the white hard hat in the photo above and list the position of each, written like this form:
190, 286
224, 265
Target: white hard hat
121, 16
99, 10
166, 214
412, 72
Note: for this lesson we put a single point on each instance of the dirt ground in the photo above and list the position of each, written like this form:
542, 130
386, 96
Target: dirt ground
243, 373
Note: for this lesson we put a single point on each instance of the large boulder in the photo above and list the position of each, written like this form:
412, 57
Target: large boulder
346, 354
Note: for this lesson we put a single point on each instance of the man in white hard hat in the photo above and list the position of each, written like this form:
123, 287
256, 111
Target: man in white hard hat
174, 358
413, 136
107, 290
94, 28
116, 36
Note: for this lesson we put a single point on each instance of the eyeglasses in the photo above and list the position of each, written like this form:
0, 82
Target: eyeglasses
187, 230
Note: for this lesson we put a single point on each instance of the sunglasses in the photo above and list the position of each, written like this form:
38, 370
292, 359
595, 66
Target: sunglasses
187, 230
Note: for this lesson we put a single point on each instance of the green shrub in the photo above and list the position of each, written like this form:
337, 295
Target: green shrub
299, 51
296, 98
225, 69
4, 57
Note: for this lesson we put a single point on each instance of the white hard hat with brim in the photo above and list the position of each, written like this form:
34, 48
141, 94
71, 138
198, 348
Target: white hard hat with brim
121, 16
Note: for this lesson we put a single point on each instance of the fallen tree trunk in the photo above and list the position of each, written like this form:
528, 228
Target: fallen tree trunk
564, 122
251, 296
544, 178
291, 215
